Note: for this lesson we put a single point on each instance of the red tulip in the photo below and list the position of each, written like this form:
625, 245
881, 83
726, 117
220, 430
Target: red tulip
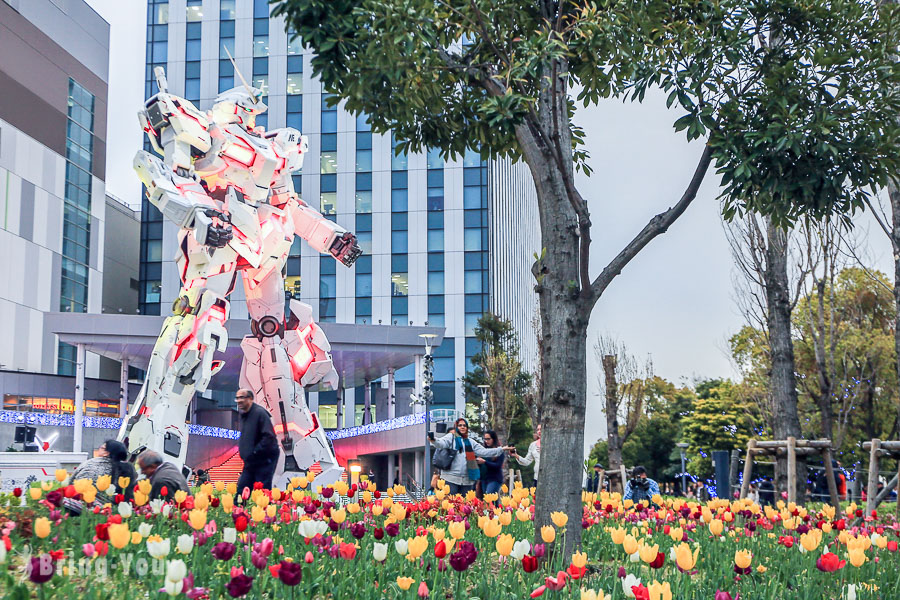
440, 549
576, 572
658, 561
829, 563
640, 592
529, 563
17, 492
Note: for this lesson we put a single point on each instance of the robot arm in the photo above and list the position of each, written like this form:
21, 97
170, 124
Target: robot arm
179, 132
322, 234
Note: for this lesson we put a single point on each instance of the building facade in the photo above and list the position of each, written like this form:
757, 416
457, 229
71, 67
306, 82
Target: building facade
443, 241
54, 58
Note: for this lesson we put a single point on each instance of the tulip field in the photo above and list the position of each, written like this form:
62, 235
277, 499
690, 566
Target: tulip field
357, 542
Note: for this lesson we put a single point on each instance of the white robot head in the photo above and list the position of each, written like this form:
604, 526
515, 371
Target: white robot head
239, 105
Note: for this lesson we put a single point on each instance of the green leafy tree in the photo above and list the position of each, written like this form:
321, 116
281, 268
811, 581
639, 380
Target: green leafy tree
497, 366
796, 126
718, 422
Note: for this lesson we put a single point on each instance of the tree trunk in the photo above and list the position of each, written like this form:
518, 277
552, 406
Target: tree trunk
782, 382
614, 440
894, 193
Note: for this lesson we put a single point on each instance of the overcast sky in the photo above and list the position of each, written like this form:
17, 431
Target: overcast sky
673, 302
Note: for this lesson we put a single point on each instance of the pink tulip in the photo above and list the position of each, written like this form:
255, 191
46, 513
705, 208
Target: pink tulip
88, 550
423, 590
309, 557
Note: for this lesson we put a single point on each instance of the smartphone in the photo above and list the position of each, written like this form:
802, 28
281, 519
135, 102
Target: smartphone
431, 435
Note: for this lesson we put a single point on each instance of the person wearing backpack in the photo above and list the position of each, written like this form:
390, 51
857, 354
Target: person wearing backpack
456, 456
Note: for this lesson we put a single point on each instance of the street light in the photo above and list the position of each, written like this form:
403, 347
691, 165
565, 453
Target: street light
682, 446
427, 380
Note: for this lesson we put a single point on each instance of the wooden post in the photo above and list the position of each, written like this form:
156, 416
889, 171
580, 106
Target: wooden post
792, 469
898, 487
748, 469
829, 477
624, 477
872, 489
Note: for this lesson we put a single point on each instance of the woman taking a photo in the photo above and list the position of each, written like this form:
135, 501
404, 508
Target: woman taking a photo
464, 471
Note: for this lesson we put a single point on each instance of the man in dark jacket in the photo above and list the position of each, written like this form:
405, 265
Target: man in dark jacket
257, 446
165, 478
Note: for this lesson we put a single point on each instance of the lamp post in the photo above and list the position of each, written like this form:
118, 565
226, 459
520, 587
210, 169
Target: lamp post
427, 380
682, 446
483, 413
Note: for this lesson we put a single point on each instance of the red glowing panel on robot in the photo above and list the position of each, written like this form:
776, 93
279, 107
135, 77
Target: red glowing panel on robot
217, 312
294, 427
306, 354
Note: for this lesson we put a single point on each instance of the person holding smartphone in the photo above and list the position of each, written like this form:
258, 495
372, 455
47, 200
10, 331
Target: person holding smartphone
464, 470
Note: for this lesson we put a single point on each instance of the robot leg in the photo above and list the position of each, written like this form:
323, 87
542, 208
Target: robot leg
182, 363
276, 370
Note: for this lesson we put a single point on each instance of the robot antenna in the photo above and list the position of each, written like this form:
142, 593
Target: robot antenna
161, 81
243, 81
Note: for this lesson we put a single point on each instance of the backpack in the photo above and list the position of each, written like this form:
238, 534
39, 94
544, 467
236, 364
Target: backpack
443, 458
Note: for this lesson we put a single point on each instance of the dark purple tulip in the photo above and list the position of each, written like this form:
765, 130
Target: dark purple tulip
290, 573
224, 550
239, 585
258, 560
41, 569
358, 530
392, 529
55, 498
327, 492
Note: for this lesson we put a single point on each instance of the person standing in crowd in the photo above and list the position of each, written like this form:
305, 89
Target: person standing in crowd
766, 492
640, 487
491, 468
596, 480
702, 493
463, 471
257, 445
533, 456
165, 478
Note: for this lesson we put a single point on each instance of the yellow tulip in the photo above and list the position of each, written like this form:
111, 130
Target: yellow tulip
809, 542
270, 511
504, 544
144, 486
676, 533
630, 544
197, 518
61, 475
387, 503
377, 510
261, 500
648, 552
119, 535
457, 529
559, 519
219, 485
276, 494
135, 538
80, 485
89, 495
618, 535
742, 558
46, 486
523, 515
492, 528
180, 496
35, 493
438, 533
339, 515
417, 546
548, 534
257, 514
579, 559
683, 557
42, 527
227, 503
857, 557
505, 518
404, 582
398, 511
660, 591
231, 488
716, 526
761, 569
593, 595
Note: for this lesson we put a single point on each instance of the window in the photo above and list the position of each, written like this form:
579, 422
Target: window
363, 160
399, 284
434, 160
295, 83
295, 113
436, 282
472, 239
399, 241
363, 201
363, 284
226, 10
436, 240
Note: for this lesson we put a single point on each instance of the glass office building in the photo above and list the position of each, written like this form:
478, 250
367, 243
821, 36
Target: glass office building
443, 241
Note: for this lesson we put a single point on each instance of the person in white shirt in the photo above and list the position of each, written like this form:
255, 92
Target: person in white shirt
533, 456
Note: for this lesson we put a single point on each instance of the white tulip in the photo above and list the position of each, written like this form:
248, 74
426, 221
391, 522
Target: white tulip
851, 591
176, 570
520, 549
156, 505
402, 547
173, 588
185, 543
125, 510
166, 509
2, 552
636, 557
144, 529
672, 556
628, 582
160, 549
229, 534
379, 551
321, 527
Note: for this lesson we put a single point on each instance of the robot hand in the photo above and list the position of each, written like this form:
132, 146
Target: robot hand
211, 228
345, 249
